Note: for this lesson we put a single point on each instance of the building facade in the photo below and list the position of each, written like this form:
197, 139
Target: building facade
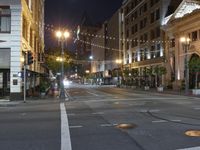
141, 36
105, 49
21, 30
98, 54
83, 45
183, 23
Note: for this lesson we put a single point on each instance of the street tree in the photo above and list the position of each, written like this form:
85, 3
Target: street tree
194, 66
52, 61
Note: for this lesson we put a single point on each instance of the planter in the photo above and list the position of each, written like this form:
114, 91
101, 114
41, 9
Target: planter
42, 94
146, 88
133, 87
196, 91
160, 89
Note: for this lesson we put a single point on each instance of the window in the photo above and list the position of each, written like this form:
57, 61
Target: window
157, 14
145, 37
136, 28
158, 50
151, 3
25, 29
127, 45
152, 17
127, 33
172, 43
145, 7
132, 30
194, 36
145, 53
158, 32
4, 58
135, 15
5, 19
152, 52
152, 33
31, 37
145, 22
141, 39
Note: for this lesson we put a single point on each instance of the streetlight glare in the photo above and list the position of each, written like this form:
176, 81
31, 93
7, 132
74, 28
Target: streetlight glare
184, 39
118, 61
58, 34
91, 57
66, 34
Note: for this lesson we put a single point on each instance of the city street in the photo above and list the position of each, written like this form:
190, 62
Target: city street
99, 117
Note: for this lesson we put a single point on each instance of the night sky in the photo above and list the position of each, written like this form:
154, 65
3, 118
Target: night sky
68, 13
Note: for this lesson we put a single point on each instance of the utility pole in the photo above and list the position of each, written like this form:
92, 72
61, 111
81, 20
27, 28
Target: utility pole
25, 64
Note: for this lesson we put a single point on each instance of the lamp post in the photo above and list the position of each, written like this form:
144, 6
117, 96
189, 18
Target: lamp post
186, 43
62, 37
118, 62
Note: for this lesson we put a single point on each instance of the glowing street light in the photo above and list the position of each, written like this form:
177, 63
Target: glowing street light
62, 37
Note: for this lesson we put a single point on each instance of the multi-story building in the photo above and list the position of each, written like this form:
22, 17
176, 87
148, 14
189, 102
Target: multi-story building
21, 30
83, 44
105, 49
141, 34
183, 23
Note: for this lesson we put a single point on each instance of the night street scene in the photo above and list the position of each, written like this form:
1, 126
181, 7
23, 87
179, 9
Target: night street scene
100, 75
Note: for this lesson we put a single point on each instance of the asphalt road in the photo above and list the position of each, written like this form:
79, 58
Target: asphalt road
94, 113
31, 126
159, 120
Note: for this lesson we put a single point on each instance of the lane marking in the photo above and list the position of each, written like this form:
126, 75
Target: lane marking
159, 121
92, 93
71, 114
154, 110
73, 127
106, 125
192, 148
198, 108
65, 134
131, 99
98, 113
176, 120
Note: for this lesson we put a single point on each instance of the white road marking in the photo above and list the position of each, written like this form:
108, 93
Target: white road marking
154, 110
98, 113
71, 114
65, 134
192, 148
159, 121
116, 103
176, 120
131, 99
197, 108
73, 127
92, 93
106, 125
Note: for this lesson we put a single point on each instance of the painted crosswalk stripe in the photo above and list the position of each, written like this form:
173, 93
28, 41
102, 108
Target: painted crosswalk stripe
192, 148
106, 125
159, 121
65, 134
73, 127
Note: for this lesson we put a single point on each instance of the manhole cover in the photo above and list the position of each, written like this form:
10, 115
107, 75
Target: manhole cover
193, 133
126, 126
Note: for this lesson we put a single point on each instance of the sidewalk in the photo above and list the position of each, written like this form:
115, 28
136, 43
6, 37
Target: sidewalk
8, 103
165, 91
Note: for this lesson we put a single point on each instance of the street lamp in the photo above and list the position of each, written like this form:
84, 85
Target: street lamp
118, 62
186, 44
62, 37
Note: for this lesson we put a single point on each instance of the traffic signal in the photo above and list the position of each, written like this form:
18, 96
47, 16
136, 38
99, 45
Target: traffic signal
29, 58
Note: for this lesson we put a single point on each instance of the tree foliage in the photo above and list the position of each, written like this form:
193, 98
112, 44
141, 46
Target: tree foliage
52, 54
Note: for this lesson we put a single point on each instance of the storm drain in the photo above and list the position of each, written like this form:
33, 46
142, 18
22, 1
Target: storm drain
193, 133
126, 126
